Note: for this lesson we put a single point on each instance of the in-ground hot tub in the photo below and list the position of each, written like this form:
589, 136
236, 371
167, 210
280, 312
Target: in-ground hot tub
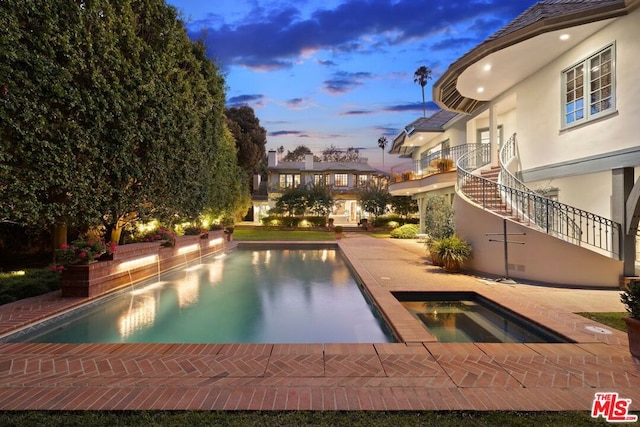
469, 317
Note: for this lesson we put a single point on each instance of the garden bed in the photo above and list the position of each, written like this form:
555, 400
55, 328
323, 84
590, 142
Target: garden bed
136, 262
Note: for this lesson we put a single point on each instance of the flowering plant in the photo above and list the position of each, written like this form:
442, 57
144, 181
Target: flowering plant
81, 251
162, 234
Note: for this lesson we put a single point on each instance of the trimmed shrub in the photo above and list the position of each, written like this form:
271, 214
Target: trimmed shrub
407, 231
32, 283
388, 221
294, 221
439, 221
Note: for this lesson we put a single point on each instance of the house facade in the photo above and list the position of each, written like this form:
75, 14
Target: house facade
552, 103
433, 145
344, 178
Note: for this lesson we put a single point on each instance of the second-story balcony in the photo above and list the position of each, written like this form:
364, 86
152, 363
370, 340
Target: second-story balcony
431, 172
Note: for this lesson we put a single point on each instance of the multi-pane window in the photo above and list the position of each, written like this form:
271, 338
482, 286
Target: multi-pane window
320, 179
588, 88
289, 180
363, 180
341, 180
484, 135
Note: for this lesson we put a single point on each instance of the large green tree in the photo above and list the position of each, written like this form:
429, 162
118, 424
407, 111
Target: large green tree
298, 154
251, 138
403, 205
374, 198
229, 196
334, 154
48, 157
109, 114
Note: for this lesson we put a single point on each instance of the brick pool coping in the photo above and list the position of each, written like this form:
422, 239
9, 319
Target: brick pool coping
418, 374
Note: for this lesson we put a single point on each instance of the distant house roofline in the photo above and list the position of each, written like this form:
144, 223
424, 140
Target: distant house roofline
432, 124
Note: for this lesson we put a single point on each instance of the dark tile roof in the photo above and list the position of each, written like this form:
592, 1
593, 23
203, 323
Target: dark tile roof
433, 123
326, 167
549, 9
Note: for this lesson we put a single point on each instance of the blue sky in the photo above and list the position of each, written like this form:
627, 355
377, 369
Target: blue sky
338, 71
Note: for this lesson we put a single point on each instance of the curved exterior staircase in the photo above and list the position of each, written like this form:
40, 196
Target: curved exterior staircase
497, 190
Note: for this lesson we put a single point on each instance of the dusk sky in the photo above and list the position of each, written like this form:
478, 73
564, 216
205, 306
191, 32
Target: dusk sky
338, 71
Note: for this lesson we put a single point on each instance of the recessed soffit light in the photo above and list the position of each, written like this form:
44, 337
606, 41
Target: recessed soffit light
564, 37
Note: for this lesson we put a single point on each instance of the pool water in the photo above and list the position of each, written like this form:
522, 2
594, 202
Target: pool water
467, 317
249, 296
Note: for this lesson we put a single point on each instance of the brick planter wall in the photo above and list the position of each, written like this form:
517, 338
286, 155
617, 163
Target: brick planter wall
102, 277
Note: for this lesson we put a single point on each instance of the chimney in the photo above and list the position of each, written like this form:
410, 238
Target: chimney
308, 162
272, 158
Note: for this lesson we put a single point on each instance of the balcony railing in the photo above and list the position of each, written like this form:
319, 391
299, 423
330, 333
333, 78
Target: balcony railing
513, 199
434, 163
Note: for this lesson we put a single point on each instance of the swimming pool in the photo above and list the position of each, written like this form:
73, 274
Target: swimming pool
267, 295
469, 317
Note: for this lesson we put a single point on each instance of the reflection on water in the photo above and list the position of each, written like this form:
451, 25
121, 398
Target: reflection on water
188, 289
266, 296
473, 321
141, 314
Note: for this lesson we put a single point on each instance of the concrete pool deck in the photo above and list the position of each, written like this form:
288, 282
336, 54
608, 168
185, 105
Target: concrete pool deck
419, 374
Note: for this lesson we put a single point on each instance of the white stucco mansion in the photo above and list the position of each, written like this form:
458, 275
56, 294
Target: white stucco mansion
542, 120
344, 179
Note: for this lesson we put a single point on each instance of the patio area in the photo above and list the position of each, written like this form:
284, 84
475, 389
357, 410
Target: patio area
418, 374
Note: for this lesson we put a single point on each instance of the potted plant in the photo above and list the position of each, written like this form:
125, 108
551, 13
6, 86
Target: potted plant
433, 247
442, 164
338, 231
453, 251
630, 297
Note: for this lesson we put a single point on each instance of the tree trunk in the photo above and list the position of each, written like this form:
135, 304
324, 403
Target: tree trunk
116, 232
59, 237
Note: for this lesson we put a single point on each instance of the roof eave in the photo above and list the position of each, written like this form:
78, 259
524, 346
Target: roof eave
445, 93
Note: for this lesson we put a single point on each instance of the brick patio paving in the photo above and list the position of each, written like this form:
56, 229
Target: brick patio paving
417, 374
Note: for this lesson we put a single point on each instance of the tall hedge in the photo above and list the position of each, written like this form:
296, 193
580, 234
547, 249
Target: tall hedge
108, 114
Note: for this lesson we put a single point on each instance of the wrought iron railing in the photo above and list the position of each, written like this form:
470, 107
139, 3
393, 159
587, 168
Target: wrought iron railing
428, 165
449, 153
525, 206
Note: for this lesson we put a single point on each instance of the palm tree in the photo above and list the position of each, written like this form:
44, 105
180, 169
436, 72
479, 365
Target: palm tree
382, 143
421, 76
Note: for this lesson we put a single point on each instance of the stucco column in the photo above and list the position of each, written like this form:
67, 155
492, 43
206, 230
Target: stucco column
622, 184
421, 201
493, 134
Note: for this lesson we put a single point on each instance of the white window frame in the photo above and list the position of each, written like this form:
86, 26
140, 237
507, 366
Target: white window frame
339, 182
289, 180
593, 85
321, 179
363, 180
483, 136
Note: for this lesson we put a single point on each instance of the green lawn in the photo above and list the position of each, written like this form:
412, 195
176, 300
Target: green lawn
262, 234
613, 320
297, 418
